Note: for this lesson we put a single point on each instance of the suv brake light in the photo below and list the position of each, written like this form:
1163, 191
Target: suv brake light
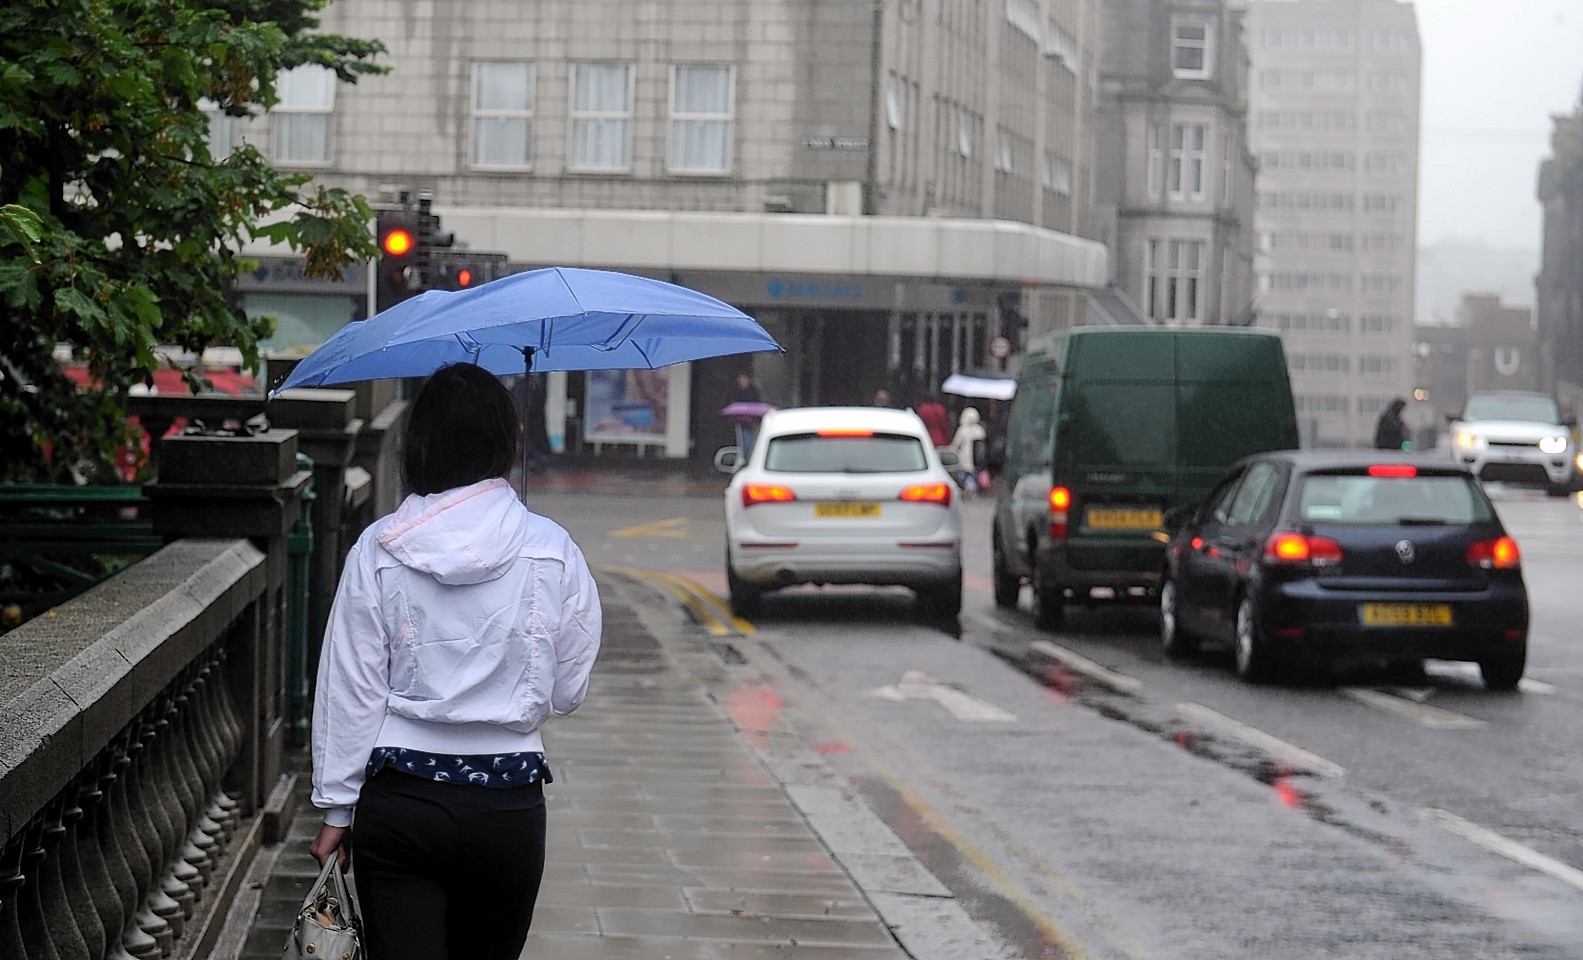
929, 493
1498, 554
755, 493
1301, 549
1060, 503
845, 432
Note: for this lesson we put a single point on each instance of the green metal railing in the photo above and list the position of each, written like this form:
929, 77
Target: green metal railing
57, 541
299, 566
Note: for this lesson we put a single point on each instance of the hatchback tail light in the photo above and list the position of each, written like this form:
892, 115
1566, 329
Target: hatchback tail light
1301, 549
1500, 553
756, 493
1060, 503
929, 493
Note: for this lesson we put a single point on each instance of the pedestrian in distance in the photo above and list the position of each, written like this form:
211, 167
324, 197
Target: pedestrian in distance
938, 421
881, 397
462, 622
968, 442
1390, 430
747, 427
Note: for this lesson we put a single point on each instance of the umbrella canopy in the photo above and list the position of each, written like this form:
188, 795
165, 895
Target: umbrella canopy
989, 385
746, 410
558, 318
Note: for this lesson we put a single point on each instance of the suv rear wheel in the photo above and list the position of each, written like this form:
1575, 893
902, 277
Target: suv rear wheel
744, 596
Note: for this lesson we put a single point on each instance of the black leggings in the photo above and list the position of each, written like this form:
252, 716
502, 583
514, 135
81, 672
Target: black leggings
447, 869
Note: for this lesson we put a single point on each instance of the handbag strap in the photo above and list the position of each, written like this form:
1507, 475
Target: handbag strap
330, 873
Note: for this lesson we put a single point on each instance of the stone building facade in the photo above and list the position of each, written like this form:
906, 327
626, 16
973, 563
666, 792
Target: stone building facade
1175, 197
888, 187
1559, 314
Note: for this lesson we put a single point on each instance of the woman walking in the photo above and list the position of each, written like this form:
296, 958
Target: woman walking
461, 623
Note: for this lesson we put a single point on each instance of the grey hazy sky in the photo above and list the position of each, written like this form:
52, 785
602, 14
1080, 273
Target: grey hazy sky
1495, 71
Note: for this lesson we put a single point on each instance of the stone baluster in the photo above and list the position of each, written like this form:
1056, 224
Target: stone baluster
54, 897
117, 837
11, 882
146, 836
36, 940
97, 884
73, 860
207, 749
169, 821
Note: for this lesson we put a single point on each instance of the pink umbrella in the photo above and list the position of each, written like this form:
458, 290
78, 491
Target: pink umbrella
746, 410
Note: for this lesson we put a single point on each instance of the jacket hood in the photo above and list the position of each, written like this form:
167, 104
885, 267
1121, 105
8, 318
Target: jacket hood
467, 535
969, 415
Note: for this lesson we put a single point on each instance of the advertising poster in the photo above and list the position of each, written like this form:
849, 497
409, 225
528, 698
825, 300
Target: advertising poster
627, 406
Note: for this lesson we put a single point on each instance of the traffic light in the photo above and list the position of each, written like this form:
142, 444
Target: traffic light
432, 242
463, 269
399, 276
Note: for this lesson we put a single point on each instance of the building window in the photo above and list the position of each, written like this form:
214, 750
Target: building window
222, 129
1188, 153
1192, 49
601, 116
701, 118
1173, 290
1058, 174
1156, 161
306, 97
502, 114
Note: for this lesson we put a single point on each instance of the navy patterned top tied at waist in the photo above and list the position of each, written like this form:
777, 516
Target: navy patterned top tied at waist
501, 771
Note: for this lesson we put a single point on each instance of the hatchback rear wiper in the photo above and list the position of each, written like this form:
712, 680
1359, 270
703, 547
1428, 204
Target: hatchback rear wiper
1422, 521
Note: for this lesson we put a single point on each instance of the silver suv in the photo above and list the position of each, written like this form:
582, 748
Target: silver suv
1517, 437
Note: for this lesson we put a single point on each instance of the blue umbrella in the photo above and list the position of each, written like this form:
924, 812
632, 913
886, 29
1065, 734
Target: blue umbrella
558, 318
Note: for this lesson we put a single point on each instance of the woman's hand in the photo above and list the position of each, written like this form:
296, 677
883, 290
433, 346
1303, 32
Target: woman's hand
331, 840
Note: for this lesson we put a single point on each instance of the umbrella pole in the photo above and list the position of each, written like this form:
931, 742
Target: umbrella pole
527, 401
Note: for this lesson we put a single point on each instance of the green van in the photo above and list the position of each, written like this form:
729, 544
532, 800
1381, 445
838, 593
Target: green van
1110, 428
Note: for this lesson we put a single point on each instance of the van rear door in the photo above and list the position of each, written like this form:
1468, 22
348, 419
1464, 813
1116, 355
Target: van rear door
1116, 449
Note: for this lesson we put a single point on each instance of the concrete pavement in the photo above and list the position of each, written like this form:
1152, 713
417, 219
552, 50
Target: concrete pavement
686, 822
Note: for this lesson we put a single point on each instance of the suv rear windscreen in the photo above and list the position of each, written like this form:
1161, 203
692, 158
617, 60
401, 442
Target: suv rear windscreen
1423, 499
876, 453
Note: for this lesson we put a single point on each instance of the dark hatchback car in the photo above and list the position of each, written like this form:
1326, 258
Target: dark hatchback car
1320, 558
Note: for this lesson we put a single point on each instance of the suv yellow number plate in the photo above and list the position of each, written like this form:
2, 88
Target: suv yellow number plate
1407, 614
1124, 518
846, 509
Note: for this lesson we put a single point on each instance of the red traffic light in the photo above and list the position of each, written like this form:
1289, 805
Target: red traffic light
464, 277
398, 242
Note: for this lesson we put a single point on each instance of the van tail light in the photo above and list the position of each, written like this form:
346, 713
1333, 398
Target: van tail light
1060, 503
1289, 549
756, 493
1498, 554
929, 493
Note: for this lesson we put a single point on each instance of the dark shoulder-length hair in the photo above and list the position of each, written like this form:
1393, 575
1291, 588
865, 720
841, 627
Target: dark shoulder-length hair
463, 428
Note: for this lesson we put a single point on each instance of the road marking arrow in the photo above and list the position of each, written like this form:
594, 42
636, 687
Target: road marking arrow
916, 685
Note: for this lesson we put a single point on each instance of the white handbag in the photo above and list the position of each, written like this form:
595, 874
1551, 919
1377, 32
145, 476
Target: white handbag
328, 926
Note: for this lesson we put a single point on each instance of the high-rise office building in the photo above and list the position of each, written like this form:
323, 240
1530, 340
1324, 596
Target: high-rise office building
1335, 120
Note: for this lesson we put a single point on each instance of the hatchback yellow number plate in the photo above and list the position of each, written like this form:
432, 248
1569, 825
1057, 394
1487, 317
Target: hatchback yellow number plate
1407, 614
1124, 518
846, 509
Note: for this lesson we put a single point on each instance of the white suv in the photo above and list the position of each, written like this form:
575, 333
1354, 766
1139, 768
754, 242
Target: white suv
1517, 437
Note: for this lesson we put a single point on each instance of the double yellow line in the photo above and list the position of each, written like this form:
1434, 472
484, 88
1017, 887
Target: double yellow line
710, 610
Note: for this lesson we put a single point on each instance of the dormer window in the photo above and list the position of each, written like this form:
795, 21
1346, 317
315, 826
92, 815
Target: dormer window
1192, 48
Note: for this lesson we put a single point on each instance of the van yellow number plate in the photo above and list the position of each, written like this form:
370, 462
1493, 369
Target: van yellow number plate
1407, 614
1124, 518
846, 509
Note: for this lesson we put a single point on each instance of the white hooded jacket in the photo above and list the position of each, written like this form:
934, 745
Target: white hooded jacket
461, 623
